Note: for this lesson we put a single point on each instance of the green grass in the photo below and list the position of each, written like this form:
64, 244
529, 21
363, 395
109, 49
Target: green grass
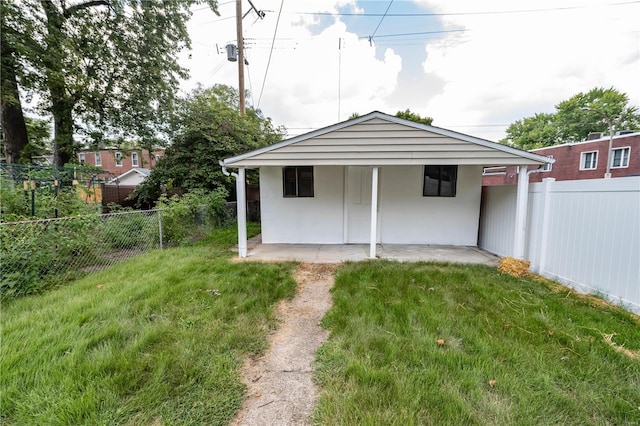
545, 350
158, 339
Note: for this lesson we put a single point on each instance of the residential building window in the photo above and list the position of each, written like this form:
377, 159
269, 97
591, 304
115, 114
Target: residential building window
82, 158
547, 166
134, 159
589, 160
620, 157
297, 181
98, 159
118, 159
440, 181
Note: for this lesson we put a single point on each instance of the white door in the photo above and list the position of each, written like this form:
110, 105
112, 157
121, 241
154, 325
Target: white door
358, 204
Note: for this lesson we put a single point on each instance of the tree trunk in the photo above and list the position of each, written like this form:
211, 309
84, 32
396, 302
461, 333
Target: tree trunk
63, 149
12, 118
62, 102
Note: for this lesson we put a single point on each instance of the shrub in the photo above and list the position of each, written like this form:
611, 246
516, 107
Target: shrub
184, 216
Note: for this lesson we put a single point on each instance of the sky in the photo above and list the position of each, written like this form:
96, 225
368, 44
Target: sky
473, 66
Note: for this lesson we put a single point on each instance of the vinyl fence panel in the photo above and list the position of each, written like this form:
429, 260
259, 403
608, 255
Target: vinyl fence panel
585, 233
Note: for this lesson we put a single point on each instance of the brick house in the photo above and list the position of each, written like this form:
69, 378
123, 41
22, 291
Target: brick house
119, 161
575, 161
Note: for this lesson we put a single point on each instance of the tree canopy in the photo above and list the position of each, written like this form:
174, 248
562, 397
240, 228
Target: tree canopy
574, 119
104, 69
209, 128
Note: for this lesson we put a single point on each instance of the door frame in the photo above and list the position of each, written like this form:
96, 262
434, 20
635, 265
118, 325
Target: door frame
347, 205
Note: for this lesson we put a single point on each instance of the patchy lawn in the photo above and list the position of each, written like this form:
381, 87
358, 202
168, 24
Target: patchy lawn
156, 340
461, 344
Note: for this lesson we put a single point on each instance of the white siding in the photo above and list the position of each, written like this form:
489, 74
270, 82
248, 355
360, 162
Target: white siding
592, 234
317, 220
378, 142
405, 216
409, 218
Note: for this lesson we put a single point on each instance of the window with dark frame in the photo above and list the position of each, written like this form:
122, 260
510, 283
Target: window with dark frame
440, 181
297, 181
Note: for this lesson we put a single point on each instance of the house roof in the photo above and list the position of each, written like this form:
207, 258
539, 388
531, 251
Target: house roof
378, 139
139, 170
630, 136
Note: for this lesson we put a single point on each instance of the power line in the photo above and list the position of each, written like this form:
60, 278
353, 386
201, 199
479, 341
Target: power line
418, 33
497, 12
379, 23
270, 53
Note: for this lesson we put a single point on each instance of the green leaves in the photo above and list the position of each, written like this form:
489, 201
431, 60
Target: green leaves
208, 129
574, 119
106, 67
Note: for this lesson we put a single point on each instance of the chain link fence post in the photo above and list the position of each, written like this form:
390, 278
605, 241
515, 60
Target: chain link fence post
160, 227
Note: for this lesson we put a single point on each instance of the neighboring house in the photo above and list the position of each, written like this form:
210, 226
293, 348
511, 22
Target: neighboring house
581, 160
119, 161
417, 184
132, 177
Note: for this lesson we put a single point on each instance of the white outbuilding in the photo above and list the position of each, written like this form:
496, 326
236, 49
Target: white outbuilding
375, 179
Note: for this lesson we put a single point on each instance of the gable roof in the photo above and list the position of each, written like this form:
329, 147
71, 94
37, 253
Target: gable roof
139, 170
378, 139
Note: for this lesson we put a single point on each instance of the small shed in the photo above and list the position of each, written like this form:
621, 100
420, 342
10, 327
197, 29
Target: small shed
131, 177
376, 179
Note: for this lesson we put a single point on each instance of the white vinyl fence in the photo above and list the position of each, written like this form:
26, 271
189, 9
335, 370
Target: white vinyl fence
583, 233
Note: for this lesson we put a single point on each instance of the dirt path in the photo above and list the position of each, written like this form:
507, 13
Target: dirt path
280, 387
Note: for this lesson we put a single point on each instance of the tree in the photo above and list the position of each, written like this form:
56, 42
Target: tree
103, 68
14, 128
574, 119
411, 116
39, 132
534, 132
208, 129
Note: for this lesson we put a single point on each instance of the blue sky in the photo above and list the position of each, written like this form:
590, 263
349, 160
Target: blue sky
495, 62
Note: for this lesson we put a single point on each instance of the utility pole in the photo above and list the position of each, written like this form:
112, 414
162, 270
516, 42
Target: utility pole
240, 55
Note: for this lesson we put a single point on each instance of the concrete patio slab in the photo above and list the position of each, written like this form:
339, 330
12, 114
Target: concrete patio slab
337, 253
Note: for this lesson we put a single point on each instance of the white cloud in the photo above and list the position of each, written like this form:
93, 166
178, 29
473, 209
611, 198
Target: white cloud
506, 66
301, 89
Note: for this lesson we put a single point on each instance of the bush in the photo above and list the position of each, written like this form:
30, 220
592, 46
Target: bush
184, 217
38, 254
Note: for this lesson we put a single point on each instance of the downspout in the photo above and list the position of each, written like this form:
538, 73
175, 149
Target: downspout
241, 207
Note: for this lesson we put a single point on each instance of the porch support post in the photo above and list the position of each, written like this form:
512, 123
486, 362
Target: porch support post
374, 213
241, 196
522, 196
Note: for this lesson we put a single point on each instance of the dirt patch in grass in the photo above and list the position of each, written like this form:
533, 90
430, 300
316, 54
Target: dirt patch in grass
279, 384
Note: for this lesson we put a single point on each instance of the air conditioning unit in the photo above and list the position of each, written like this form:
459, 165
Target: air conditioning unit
624, 132
594, 135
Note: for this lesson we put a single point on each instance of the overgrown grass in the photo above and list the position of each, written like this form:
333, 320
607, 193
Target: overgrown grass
155, 340
514, 351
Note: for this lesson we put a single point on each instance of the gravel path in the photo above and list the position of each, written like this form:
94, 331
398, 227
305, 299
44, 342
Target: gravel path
279, 384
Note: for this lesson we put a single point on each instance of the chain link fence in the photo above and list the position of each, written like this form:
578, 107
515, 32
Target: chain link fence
38, 254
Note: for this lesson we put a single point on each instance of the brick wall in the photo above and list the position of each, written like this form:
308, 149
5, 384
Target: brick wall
568, 158
108, 157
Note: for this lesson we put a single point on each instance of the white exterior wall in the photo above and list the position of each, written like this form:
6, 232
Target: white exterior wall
407, 217
590, 239
313, 220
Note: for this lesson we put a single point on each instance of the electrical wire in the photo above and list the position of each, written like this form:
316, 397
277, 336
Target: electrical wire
497, 12
275, 32
379, 23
